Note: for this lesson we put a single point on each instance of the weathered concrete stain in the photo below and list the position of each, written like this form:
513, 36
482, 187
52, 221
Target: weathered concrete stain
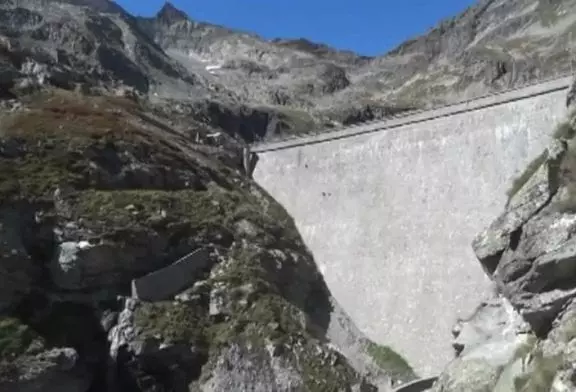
390, 215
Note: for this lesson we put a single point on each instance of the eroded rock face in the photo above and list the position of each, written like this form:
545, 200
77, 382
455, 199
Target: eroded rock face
495, 320
262, 88
96, 195
485, 343
523, 341
527, 250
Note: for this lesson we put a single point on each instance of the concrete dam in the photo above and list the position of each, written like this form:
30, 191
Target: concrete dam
389, 209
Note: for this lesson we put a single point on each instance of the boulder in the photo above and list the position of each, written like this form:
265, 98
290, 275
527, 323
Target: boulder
528, 251
524, 339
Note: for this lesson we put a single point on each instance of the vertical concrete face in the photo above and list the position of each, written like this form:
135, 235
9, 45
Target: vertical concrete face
390, 215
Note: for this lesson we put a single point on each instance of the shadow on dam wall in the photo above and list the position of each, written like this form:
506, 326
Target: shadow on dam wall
390, 214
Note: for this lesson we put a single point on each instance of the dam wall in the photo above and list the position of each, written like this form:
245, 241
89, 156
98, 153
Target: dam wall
389, 209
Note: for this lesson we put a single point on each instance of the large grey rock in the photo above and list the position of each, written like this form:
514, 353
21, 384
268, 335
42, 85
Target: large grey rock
486, 342
529, 251
523, 342
494, 320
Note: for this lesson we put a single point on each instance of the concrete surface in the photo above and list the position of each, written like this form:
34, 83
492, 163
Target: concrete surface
422, 385
544, 87
165, 283
390, 214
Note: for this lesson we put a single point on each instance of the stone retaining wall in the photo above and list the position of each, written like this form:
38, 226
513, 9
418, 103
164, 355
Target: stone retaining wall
163, 284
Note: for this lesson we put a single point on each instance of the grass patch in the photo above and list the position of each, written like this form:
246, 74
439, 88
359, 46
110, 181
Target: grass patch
176, 322
133, 206
254, 314
15, 338
71, 115
48, 143
391, 362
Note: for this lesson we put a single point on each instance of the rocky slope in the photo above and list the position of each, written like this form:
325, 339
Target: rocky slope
494, 45
253, 88
120, 171
524, 338
97, 193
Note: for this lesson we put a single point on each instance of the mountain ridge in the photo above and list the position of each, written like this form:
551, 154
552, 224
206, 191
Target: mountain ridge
283, 86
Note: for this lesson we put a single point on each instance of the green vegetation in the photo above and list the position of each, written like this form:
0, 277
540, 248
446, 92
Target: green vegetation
254, 314
391, 362
58, 141
567, 167
125, 208
259, 311
15, 338
324, 375
523, 178
50, 139
175, 322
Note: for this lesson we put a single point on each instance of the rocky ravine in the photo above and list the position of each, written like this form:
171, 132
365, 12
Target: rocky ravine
524, 338
95, 193
255, 89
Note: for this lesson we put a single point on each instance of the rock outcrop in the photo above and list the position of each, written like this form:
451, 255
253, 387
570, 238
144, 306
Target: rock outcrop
253, 88
522, 341
101, 201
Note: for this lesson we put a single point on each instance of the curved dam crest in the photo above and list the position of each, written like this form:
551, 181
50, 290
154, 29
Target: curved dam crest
390, 209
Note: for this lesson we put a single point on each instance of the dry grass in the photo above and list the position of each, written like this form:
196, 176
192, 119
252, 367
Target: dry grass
56, 131
61, 113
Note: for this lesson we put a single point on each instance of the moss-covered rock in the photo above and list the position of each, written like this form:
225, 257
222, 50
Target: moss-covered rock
391, 362
15, 338
116, 194
247, 310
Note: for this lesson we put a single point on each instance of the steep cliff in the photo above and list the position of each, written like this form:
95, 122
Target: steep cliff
523, 339
97, 193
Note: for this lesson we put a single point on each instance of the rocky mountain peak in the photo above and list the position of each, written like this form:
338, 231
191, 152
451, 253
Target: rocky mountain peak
169, 14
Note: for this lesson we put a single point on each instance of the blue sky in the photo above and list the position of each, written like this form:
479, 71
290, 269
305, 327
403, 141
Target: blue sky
369, 27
